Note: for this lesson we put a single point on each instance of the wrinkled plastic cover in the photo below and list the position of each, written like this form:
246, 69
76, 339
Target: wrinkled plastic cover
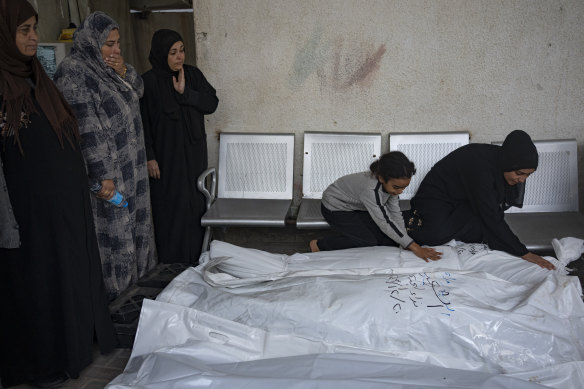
369, 317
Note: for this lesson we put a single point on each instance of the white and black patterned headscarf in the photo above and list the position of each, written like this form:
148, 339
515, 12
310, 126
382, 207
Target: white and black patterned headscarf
87, 42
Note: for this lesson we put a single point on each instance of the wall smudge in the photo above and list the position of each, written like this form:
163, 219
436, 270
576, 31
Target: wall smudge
309, 58
351, 66
364, 74
339, 68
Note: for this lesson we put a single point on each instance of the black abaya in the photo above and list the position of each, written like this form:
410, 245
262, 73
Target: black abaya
463, 197
175, 137
54, 300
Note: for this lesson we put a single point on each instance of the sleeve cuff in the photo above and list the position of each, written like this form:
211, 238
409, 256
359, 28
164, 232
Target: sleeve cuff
409, 244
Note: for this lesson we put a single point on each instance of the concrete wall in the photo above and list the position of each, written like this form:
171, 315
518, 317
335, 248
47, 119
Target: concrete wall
482, 66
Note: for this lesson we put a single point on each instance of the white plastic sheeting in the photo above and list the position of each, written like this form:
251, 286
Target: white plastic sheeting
213, 353
367, 317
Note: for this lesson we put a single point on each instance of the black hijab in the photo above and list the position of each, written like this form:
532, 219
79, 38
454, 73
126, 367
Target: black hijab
518, 152
162, 41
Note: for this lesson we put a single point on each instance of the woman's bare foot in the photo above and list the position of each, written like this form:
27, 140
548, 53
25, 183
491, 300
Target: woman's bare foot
313, 246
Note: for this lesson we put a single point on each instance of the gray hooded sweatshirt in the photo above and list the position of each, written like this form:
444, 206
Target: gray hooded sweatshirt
363, 192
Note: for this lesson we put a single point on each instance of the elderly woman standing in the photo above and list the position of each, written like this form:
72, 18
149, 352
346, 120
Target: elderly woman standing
104, 93
54, 300
176, 98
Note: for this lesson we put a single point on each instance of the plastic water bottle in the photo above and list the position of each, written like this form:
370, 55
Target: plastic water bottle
117, 200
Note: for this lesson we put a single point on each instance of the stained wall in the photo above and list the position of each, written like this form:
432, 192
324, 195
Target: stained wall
482, 66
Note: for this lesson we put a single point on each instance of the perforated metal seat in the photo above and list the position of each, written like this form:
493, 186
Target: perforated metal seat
536, 230
554, 185
254, 182
424, 149
328, 156
310, 216
550, 207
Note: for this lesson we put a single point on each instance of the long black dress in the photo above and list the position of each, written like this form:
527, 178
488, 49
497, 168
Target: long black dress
53, 296
174, 133
464, 197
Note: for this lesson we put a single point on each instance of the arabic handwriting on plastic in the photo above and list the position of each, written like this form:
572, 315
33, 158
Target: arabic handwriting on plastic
413, 288
472, 248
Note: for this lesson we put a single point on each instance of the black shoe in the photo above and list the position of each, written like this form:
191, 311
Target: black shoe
51, 381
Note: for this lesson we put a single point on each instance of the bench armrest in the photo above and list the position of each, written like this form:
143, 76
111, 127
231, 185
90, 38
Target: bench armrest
202, 185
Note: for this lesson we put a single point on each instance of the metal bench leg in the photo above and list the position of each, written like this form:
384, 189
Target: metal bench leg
209, 197
207, 239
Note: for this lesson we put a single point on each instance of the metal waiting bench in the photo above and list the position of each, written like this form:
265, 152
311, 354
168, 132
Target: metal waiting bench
328, 156
424, 150
254, 182
550, 207
551, 200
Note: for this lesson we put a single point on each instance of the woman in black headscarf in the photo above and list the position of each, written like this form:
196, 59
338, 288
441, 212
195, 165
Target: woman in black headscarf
54, 299
465, 194
176, 98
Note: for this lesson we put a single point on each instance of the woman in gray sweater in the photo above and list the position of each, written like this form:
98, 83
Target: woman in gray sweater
364, 208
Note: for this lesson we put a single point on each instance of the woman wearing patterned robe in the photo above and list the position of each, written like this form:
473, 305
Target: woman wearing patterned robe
104, 93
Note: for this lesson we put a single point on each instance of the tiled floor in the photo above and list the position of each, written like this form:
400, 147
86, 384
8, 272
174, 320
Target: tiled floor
125, 311
96, 376
104, 369
286, 240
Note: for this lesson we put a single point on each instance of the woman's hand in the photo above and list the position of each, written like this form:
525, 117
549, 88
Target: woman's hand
541, 262
116, 62
426, 253
153, 170
179, 85
107, 191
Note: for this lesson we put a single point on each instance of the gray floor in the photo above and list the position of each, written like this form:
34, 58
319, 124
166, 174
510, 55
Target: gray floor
287, 240
96, 376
